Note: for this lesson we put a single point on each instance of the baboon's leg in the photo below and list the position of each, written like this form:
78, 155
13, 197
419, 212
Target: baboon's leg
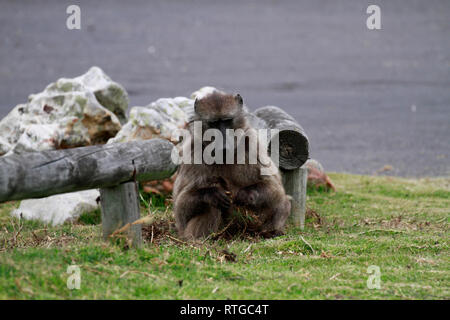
185, 207
203, 224
190, 204
262, 194
269, 201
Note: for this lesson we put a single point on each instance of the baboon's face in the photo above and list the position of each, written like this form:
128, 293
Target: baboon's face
220, 111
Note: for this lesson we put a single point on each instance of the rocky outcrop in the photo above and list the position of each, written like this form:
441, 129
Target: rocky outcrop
158, 119
69, 113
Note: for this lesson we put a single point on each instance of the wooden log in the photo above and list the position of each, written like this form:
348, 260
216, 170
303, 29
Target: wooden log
293, 142
119, 206
41, 174
294, 182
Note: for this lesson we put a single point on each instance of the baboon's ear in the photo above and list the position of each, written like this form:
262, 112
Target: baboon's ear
239, 100
195, 105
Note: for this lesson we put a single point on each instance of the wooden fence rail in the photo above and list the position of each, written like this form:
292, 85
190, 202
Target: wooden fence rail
114, 168
41, 174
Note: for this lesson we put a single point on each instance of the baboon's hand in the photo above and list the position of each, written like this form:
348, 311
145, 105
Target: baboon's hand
246, 197
218, 198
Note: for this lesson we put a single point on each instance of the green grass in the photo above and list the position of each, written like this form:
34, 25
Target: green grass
400, 225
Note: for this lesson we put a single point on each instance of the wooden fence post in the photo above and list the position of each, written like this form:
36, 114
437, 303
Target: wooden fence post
294, 182
119, 206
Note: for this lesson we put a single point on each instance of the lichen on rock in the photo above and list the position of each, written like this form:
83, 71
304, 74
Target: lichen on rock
68, 113
156, 120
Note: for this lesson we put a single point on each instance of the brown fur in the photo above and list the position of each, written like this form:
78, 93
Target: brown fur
204, 195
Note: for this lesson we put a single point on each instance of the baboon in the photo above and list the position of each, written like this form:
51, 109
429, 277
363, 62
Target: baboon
205, 194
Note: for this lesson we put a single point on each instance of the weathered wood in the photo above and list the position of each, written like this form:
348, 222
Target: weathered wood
294, 182
41, 174
293, 142
119, 206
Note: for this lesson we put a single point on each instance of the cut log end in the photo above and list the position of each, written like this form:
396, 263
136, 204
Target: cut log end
293, 142
293, 150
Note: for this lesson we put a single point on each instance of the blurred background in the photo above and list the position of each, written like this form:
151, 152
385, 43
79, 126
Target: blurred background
371, 101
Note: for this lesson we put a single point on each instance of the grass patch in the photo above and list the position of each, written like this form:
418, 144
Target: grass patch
91, 218
400, 225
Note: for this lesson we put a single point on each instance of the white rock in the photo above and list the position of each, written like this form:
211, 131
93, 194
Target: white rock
110, 94
4, 146
160, 118
66, 114
57, 209
45, 134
